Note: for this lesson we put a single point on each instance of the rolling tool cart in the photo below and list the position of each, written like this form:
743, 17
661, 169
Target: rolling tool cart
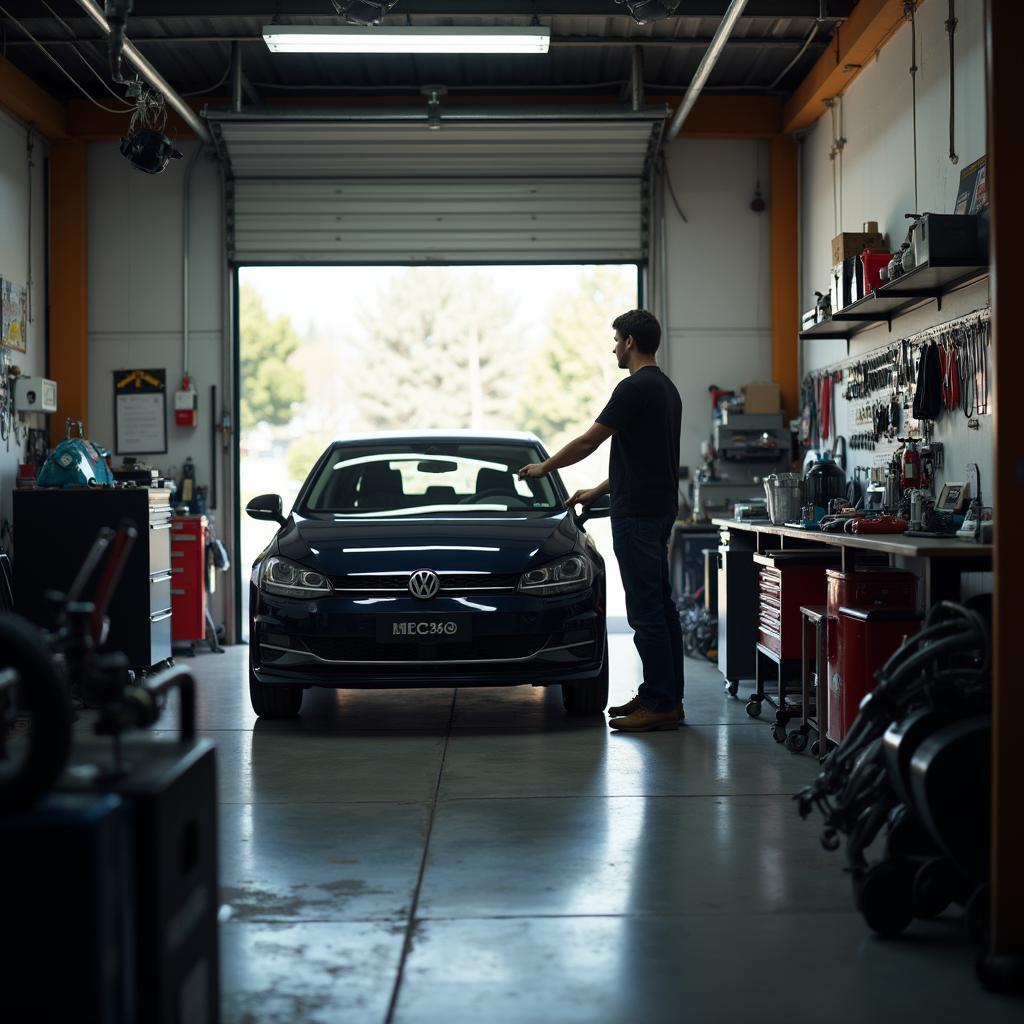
869, 587
188, 584
867, 638
813, 685
737, 607
787, 581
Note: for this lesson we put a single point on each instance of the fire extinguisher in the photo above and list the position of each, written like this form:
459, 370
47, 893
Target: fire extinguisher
910, 464
186, 404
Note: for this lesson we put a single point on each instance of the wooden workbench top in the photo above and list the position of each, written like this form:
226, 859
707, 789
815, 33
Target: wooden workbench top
884, 543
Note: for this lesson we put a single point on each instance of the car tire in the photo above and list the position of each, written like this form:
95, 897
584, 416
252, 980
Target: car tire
274, 700
588, 698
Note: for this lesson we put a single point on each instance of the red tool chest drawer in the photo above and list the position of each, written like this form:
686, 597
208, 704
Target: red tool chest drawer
188, 578
787, 580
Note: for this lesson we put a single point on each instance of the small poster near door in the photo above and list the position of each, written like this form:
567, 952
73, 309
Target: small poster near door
140, 412
14, 317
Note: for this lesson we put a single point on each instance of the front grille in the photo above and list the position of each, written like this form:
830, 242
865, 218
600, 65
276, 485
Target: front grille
482, 648
454, 583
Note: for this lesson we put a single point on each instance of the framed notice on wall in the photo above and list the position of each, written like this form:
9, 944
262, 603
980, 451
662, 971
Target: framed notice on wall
140, 412
14, 316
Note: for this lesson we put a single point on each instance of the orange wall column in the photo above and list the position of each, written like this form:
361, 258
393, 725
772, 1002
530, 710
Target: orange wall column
1005, 156
69, 300
784, 270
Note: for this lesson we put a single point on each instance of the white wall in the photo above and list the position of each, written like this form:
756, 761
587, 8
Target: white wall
14, 256
878, 184
719, 278
136, 318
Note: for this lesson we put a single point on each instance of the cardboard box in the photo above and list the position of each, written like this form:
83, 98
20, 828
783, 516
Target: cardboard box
761, 397
853, 243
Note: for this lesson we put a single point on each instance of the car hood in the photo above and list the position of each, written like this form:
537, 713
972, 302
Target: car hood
496, 544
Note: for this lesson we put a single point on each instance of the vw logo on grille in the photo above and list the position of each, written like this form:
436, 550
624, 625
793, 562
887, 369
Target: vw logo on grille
424, 584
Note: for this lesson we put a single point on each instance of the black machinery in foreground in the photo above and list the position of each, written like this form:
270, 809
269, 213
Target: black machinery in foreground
108, 844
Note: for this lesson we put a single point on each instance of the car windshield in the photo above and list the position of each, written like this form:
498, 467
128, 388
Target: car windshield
416, 478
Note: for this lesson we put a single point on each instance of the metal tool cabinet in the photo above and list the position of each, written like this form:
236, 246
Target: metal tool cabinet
53, 531
188, 586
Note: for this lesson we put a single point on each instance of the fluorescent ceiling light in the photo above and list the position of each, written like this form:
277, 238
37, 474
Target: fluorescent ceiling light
405, 39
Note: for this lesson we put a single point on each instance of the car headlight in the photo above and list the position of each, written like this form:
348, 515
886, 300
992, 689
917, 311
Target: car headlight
574, 573
283, 576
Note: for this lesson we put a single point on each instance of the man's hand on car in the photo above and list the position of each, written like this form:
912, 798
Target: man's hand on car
586, 496
533, 471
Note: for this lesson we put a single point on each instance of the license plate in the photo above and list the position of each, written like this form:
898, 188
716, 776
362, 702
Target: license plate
420, 629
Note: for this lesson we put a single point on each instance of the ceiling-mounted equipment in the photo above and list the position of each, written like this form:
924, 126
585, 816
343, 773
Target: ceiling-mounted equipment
434, 94
149, 73
364, 12
644, 11
116, 12
405, 39
149, 150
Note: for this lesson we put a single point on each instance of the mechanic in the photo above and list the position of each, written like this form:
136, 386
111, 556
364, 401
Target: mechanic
643, 418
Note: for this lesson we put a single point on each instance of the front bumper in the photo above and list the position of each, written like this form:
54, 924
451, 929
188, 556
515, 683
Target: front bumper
517, 639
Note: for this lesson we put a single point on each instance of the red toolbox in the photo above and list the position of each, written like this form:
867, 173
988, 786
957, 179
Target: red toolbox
787, 580
188, 574
866, 639
866, 588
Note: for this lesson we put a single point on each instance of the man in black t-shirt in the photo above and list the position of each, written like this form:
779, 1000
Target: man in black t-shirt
643, 418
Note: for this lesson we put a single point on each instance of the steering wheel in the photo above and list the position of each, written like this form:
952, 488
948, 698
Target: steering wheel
474, 498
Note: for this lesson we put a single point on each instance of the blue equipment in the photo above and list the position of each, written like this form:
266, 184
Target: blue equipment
76, 462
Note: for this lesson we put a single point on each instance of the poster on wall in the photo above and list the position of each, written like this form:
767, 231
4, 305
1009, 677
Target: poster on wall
14, 317
972, 195
140, 412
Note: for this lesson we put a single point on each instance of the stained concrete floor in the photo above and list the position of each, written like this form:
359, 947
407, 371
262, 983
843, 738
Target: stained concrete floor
472, 855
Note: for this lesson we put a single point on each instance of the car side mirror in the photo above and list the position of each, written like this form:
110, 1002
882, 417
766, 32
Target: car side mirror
600, 509
268, 507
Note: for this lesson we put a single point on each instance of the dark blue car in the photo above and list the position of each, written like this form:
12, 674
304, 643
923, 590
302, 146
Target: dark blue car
423, 560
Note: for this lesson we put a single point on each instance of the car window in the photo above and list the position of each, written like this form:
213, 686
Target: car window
434, 477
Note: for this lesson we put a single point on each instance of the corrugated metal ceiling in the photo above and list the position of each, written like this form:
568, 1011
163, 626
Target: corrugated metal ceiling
586, 56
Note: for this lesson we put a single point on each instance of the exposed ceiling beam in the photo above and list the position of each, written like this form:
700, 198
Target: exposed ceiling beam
542, 8
30, 104
713, 117
856, 41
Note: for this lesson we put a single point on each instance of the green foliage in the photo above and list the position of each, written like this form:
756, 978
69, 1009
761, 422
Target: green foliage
571, 375
439, 353
302, 454
269, 386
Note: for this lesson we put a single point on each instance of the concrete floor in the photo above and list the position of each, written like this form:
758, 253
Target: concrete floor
465, 856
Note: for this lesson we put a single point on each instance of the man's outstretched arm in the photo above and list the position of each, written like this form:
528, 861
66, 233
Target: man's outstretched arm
575, 451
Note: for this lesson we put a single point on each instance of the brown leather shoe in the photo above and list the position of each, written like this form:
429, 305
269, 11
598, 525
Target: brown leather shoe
643, 720
621, 710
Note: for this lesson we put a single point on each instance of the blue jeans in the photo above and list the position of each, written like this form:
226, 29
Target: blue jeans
641, 548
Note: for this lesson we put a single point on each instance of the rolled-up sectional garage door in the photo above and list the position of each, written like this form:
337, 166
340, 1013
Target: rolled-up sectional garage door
489, 192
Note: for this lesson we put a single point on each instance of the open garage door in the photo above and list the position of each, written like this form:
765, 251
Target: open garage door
315, 191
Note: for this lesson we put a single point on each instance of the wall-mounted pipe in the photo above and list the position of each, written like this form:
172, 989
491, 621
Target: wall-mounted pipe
706, 66
151, 75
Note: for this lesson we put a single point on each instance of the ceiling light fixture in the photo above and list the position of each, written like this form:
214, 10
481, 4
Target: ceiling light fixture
405, 39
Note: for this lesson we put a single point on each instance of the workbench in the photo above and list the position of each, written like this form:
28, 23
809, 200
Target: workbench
944, 560
939, 564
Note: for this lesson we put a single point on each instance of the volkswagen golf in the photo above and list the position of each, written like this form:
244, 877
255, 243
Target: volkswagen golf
423, 560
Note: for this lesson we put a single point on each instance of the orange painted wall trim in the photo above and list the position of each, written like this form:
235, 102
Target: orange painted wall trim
869, 27
784, 267
28, 103
69, 300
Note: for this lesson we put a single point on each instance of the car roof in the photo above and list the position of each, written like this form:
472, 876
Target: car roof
501, 437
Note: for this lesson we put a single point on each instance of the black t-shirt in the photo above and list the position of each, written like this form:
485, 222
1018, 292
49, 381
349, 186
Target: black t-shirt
646, 412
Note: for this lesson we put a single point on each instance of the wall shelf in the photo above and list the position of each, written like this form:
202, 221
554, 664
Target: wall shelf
913, 289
